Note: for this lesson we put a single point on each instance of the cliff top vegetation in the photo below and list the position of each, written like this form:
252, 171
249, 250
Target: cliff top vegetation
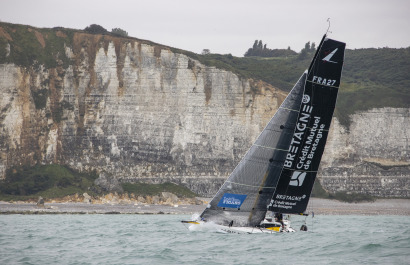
371, 78
261, 50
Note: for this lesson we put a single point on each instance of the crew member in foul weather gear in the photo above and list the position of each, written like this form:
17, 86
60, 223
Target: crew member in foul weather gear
279, 218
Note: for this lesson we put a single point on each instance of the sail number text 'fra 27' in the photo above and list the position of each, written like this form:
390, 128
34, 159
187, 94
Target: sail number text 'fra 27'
323, 81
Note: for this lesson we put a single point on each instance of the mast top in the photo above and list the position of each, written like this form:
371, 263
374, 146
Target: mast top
328, 28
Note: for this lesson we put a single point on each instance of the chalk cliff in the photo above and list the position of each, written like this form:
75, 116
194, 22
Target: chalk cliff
135, 111
372, 157
141, 112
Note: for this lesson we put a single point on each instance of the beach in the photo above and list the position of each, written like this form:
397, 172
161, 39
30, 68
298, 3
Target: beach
318, 206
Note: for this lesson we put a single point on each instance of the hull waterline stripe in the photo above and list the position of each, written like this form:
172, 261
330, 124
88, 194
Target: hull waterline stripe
190, 222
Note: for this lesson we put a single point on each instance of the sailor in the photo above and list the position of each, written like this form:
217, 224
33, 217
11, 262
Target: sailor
279, 218
231, 223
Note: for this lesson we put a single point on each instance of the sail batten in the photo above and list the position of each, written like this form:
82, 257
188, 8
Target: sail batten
265, 187
296, 110
272, 148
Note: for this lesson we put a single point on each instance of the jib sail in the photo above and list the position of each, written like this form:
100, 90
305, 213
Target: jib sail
311, 130
243, 198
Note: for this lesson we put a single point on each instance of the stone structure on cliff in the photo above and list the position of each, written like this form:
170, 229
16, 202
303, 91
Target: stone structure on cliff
140, 112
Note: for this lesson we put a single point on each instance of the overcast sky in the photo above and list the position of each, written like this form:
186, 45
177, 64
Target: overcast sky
227, 26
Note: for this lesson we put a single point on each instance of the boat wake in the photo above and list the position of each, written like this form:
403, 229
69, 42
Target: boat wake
205, 227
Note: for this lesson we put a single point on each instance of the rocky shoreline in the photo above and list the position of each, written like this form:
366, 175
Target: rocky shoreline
319, 206
165, 198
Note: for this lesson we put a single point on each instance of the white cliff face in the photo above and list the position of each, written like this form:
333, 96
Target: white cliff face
143, 113
136, 111
12, 122
387, 133
373, 157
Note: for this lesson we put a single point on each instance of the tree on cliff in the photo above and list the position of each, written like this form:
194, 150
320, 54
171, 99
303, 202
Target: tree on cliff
95, 29
260, 50
308, 50
119, 32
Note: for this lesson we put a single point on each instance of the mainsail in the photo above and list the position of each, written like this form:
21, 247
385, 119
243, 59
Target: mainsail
308, 142
266, 176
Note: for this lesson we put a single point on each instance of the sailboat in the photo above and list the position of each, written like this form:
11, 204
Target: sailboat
277, 173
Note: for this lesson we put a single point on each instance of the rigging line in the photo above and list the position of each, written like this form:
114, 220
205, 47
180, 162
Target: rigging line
236, 183
273, 130
323, 130
261, 162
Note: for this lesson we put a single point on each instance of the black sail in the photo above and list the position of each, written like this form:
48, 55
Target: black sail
244, 197
278, 171
311, 130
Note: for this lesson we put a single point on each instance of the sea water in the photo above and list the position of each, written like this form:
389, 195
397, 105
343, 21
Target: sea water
162, 239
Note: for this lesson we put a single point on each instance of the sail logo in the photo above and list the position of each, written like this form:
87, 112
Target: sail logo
231, 200
297, 179
311, 144
329, 56
305, 99
301, 127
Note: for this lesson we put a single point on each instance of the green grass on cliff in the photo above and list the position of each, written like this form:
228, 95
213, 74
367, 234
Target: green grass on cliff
48, 181
31, 47
56, 181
